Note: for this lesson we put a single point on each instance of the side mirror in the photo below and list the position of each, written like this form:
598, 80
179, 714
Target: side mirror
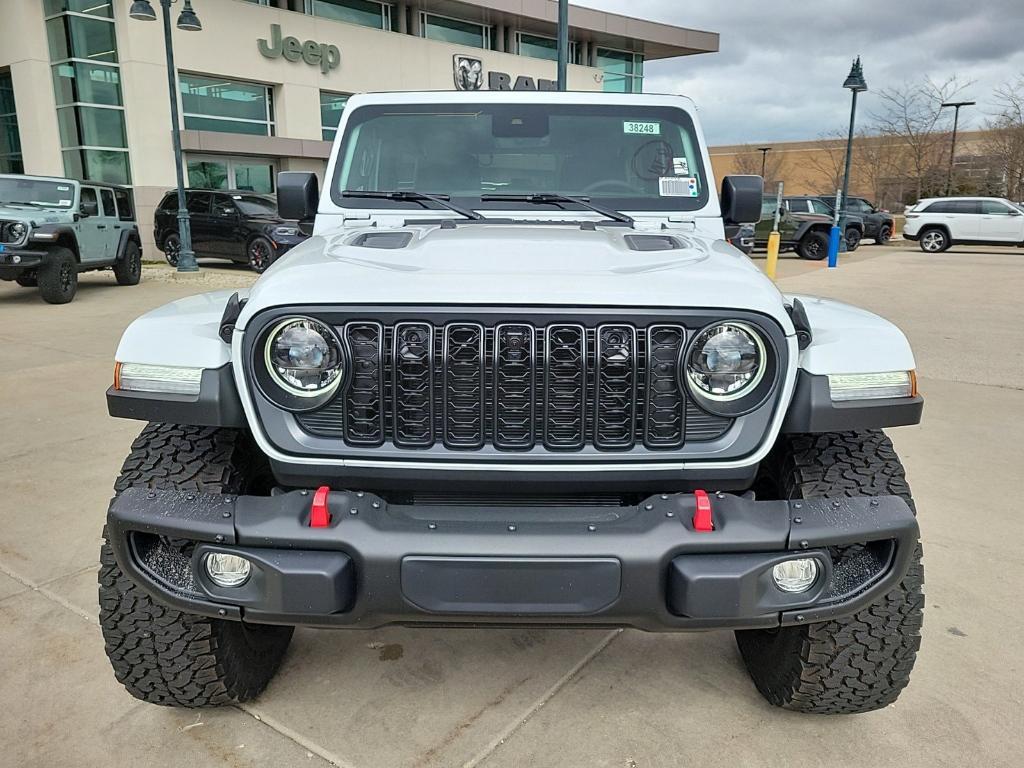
298, 195
741, 199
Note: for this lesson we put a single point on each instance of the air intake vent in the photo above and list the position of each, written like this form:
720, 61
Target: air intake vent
652, 243
386, 240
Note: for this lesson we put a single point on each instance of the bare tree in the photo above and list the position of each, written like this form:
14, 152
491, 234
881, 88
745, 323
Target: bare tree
911, 115
749, 159
1005, 140
829, 158
879, 168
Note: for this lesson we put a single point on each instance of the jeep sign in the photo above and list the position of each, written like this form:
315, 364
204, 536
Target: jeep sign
327, 56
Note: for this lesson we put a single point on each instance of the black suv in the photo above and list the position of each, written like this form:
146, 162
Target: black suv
878, 224
227, 224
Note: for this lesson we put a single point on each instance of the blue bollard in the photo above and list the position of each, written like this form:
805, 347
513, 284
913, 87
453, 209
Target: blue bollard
833, 247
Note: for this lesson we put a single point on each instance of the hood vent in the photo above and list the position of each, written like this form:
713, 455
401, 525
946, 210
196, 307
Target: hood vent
652, 243
387, 240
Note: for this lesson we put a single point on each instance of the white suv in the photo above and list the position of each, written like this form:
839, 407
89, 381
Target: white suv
937, 223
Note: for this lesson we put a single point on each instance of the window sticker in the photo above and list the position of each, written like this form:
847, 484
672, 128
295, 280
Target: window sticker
680, 166
678, 186
61, 188
63, 202
646, 129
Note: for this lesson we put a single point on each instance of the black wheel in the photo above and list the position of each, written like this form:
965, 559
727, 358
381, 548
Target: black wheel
813, 246
854, 663
261, 254
58, 277
27, 281
163, 655
129, 269
172, 249
933, 240
884, 234
852, 239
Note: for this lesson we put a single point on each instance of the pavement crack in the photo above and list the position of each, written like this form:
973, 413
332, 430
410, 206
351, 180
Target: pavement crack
49, 593
535, 707
294, 736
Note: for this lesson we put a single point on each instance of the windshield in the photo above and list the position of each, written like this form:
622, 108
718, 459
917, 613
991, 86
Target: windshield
639, 158
52, 194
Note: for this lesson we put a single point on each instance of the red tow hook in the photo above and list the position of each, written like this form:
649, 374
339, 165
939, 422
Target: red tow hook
702, 522
319, 514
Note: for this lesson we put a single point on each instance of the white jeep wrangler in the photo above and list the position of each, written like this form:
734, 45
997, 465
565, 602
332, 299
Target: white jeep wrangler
517, 376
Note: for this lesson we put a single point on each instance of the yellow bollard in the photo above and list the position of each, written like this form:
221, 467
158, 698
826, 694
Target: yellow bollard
773, 253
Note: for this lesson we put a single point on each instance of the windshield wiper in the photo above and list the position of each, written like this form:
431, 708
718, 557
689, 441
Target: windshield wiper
416, 197
556, 198
22, 202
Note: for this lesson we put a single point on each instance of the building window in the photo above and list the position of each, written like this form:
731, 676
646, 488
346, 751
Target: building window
331, 106
623, 70
449, 30
365, 13
251, 174
87, 90
10, 140
540, 47
227, 106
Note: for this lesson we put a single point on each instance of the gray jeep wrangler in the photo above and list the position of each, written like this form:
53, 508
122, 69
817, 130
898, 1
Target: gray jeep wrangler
516, 376
51, 229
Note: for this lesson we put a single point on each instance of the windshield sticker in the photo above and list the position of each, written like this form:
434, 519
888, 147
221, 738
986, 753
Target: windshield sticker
63, 188
63, 202
680, 167
648, 129
678, 186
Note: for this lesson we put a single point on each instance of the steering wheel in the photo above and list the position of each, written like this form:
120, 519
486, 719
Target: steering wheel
611, 185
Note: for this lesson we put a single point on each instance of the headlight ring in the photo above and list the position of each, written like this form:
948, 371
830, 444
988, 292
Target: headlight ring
728, 368
304, 363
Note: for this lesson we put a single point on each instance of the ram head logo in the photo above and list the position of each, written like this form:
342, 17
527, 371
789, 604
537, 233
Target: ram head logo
469, 73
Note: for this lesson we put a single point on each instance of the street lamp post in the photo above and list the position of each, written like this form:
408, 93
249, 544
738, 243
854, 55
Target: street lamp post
856, 83
142, 10
563, 45
952, 150
764, 158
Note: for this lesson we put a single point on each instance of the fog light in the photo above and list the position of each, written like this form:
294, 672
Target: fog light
796, 575
227, 570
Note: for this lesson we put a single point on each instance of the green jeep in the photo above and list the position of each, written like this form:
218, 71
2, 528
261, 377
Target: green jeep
807, 233
51, 229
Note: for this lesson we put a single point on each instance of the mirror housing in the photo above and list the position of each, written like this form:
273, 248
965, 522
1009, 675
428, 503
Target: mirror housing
298, 195
741, 199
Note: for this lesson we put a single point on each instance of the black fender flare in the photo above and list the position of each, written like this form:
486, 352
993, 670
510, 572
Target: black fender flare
130, 235
56, 234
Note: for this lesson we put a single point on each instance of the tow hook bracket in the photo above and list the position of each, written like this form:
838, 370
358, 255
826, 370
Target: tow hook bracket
702, 519
319, 514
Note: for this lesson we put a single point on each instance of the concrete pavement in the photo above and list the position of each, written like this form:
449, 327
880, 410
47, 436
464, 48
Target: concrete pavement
415, 697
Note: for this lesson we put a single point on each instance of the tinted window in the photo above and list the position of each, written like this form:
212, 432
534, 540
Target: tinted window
169, 203
125, 205
767, 209
991, 207
797, 204
819, 207
108, 203
966, 206
861, 206
90, 205
254, 205
198, 202
222, 206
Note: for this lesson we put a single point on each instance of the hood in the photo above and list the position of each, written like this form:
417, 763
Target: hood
516, 264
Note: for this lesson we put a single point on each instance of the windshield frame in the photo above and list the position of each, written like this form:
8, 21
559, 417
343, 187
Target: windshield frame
640, 112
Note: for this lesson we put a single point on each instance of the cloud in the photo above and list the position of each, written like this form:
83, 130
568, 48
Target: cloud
779, 73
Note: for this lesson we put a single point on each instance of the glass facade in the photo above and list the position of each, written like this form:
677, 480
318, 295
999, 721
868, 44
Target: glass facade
540, 47
331, 107
448, 30
218, 172
10, 139
87, 90
623, 70
365, 13
227, 106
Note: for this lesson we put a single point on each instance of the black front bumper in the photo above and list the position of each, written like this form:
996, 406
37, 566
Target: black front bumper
644, 566
14, 261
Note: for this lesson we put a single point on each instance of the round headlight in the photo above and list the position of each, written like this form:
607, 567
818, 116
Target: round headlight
17, 230
726, 361
304, 357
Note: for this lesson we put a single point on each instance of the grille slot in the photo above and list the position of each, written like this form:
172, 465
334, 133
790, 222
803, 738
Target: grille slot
514, 386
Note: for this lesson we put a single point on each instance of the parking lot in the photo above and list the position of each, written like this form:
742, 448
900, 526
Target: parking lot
520, 697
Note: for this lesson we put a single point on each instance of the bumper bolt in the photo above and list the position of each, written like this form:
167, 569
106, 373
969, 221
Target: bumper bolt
670, 514
511, 527
804, 544
228, 499
432, 526
150, 495
225, 514
353, 511
304, 492
359, 494
591, 528
799, 617
219, 539
837, 504
376, 505
664, 497
798, 520
648, 506
874, 502
797, 505
222, 612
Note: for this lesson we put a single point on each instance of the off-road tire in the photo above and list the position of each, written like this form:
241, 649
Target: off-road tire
27, 281
813, 246
853, 239
58, 277
128, 269
855, 663
160, 654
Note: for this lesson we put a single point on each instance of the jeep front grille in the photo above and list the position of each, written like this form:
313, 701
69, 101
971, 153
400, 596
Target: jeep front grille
514, 386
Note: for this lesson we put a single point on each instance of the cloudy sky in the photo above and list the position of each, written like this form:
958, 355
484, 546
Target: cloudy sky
781, 65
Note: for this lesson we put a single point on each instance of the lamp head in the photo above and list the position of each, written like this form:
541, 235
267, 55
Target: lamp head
855, 80
141, 10
187, 20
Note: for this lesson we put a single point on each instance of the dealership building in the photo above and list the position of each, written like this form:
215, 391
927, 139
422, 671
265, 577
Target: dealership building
84, 93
